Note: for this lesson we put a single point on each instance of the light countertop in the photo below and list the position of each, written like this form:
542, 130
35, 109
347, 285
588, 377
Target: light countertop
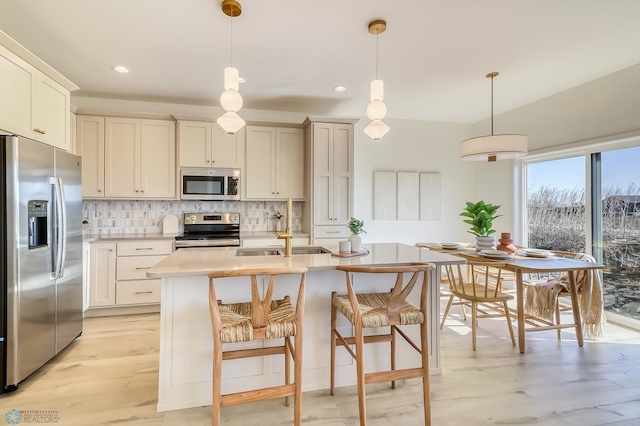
91, 238
201, 261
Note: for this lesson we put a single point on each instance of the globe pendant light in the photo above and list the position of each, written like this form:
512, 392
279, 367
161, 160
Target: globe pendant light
231, 100
493, 147
376, 109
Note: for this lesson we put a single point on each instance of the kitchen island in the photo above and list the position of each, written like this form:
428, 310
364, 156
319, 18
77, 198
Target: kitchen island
185, 326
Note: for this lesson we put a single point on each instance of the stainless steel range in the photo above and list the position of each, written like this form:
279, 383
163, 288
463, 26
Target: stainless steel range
210, 230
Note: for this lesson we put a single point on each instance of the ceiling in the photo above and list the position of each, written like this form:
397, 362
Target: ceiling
433, 56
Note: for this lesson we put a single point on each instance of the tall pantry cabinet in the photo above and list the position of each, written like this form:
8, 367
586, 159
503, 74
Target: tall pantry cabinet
329, 160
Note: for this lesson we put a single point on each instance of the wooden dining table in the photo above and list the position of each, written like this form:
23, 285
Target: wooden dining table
522, 265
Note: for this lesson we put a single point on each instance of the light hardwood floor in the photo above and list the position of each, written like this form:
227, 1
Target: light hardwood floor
109, 376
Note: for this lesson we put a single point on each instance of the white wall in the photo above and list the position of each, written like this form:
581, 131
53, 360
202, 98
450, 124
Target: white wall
414, 146
600, 109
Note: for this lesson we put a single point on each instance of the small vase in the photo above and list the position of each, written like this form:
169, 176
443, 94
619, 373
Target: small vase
356, 243
506, 243
485, 243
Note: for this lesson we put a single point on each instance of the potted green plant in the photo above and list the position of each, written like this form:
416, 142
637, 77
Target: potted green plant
481, 216
355, 226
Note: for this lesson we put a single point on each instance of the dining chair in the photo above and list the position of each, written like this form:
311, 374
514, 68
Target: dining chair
376, 310
474, 288
258, 319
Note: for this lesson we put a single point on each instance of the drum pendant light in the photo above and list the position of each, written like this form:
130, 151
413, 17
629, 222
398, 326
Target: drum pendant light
493, 147
376, 109
231, 100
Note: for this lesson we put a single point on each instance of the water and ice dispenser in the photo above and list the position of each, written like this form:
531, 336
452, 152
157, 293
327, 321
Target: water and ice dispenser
38, 232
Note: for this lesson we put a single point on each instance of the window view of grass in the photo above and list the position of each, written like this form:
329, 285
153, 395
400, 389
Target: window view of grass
557, 221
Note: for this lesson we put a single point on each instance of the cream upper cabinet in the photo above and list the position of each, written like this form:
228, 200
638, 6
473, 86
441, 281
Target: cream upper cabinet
16, 84
90, 145
121, 157
39, 108
332, 173
205, 144
51, 114
73, 120
274, 163
158, 158
127, 157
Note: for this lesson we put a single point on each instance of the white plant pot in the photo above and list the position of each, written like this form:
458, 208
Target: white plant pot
485, 243
356, 243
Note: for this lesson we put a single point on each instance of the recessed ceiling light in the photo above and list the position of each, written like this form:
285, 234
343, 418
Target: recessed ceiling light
120, 68
339, 88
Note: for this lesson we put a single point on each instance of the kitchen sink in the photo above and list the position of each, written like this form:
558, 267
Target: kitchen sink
257, 252
280, 251
308, 250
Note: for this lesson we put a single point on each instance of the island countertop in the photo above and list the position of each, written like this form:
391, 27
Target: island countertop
189, 262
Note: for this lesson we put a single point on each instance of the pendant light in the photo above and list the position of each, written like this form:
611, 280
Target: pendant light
230, 100
376, 109
493, 147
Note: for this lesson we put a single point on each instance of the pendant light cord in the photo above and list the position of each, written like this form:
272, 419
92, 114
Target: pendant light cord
377, 50
492, 105
231, 39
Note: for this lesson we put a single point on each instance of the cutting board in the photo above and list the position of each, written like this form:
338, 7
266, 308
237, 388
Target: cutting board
170, 224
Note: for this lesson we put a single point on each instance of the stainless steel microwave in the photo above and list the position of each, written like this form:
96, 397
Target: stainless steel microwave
210, 184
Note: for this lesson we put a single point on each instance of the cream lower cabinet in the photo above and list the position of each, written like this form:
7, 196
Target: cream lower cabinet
274, 163
205, 144
33, 104
118, 273
329, 159
133, 260
127, 157
102, 275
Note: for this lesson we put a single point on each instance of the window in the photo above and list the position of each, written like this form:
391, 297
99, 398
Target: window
590, 201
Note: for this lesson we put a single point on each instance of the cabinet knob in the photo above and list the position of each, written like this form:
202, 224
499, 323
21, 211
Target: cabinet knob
99, 190
208, 161
137, 190
278, 193
42, 132
272, 193
142, 191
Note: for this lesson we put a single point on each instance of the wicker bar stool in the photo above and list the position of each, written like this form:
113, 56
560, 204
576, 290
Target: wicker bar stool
258, 319
373, 310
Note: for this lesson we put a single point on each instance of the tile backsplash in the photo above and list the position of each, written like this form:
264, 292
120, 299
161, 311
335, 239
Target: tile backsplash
145, 217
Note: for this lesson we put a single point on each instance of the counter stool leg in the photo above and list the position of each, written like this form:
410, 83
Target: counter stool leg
217, 385
426, 388
287, 368
333, 344
362, 402
297, 399
393, 353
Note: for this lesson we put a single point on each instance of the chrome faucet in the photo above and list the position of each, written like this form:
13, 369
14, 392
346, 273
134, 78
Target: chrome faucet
287, 234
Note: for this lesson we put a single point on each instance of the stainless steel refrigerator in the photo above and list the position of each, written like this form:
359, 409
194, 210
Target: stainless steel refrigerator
41, 256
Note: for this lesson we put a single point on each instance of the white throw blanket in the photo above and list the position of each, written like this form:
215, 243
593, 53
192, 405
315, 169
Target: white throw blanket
541, 298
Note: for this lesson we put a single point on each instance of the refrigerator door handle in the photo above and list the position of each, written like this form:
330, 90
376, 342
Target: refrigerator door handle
60, 214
